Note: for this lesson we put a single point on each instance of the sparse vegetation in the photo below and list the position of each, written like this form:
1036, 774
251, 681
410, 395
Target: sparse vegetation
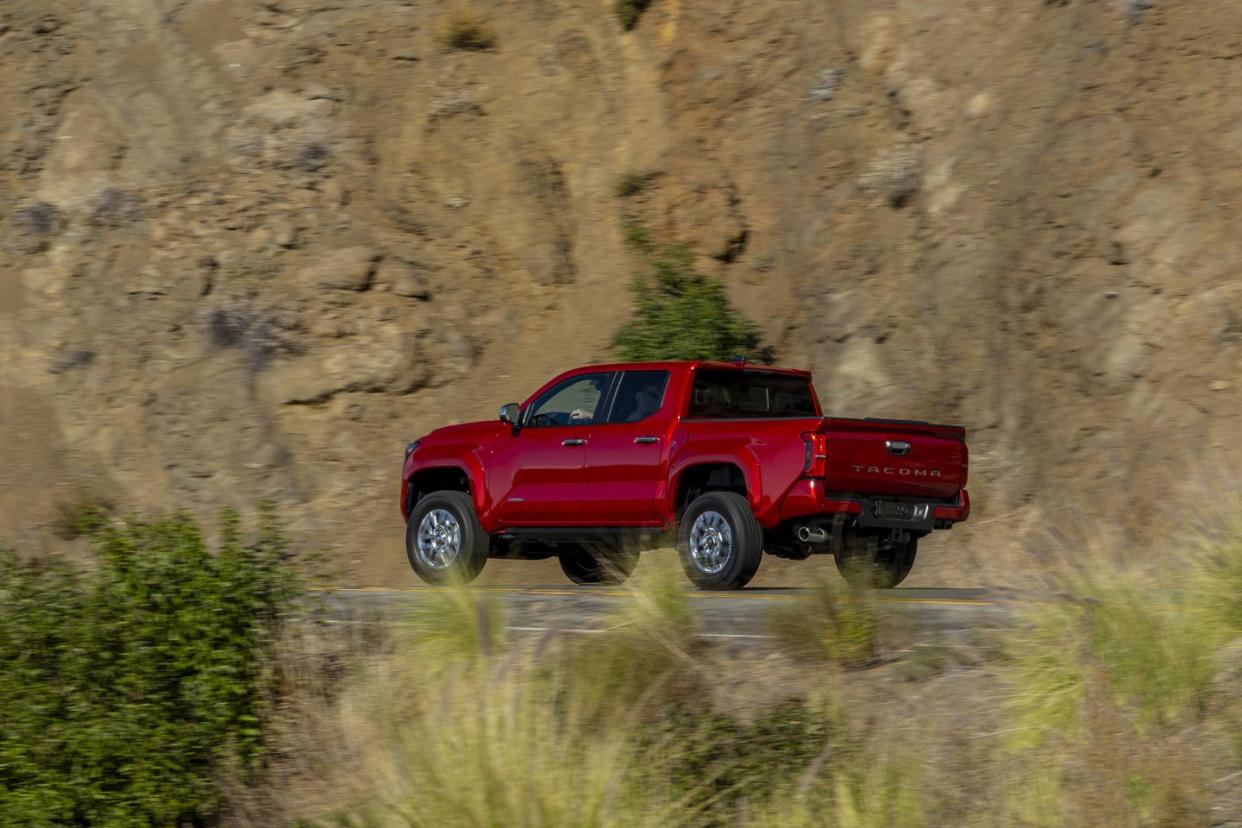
37, 223
127, 691
680, 313
656, 629
628, 12
1114, 680
836, 622
466, 30
260, 337
632, 184
128, 695
1149, 652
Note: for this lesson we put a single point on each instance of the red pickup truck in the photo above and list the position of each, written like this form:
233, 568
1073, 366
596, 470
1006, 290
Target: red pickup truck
739, 459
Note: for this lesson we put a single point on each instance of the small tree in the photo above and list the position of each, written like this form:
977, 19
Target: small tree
680, 313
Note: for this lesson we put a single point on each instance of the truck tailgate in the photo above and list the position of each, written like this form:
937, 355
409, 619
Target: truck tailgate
895, 457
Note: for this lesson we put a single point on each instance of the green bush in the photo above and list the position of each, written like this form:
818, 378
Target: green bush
79, 517
716, 762
682, 314
125, 692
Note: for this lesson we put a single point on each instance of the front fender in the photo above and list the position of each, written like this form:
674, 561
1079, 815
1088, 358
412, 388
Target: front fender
461, 458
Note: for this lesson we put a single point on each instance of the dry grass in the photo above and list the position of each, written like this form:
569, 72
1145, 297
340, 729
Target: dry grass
1114, 703
467, 31
835, 622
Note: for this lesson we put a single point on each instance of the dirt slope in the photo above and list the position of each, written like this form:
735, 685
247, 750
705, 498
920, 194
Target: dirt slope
249, 249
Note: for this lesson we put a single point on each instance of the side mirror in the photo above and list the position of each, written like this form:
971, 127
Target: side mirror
511, 413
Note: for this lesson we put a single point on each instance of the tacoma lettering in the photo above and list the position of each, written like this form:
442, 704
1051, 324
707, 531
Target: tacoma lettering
900, 471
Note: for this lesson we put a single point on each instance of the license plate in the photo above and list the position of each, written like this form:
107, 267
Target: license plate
901, 511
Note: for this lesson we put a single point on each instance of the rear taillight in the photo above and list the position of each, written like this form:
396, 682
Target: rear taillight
816, 462
965, 465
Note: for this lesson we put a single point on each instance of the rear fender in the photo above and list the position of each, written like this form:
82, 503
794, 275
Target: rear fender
742, 459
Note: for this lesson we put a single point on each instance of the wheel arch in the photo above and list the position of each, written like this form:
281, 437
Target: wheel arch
438, 476
714, 474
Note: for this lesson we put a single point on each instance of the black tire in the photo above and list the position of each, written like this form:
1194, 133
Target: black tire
745, 537
867, 564
472, 542
597, 566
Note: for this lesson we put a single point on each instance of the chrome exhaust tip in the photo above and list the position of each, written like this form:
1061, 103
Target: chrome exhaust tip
808, 534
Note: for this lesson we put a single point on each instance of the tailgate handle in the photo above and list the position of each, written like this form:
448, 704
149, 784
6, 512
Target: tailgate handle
898, 447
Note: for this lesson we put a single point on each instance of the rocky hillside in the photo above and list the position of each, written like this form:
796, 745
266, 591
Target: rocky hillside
250, 248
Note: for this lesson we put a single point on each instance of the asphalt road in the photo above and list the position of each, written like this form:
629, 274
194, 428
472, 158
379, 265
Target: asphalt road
739, 615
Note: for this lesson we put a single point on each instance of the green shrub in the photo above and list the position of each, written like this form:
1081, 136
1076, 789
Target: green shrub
628, 11
681, 314
80, 517
467, 31
716, 761
124, 692
833, 622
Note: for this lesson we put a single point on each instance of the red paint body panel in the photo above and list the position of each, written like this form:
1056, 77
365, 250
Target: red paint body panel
529, 477
859, 462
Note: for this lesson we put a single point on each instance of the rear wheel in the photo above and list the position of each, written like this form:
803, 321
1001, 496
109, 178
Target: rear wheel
720, 542
870, 563
597, 566
444, 540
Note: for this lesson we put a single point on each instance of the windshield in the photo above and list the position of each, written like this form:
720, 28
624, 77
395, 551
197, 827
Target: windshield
750, 394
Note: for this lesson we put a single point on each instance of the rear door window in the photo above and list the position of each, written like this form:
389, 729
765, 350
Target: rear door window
639, 395
750, 394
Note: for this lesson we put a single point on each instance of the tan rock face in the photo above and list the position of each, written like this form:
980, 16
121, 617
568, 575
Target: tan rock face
351, 268
249, 250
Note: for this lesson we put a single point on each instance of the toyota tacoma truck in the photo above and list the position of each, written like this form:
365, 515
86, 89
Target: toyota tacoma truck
737, 459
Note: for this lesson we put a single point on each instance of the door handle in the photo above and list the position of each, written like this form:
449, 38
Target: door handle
646, 440
573, 441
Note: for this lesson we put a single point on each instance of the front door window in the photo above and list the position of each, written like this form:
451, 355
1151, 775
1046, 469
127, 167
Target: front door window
576, 401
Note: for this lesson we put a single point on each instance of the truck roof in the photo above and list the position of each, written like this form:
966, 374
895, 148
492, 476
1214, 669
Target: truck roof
685, 366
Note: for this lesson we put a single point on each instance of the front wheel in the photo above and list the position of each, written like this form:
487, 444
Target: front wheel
866, 563
608, 566
720, 542
444, 540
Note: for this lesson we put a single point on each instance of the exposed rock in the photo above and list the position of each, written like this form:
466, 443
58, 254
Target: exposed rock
386, 360
894, 175
350, 268
241, 211
826, 89
408, 279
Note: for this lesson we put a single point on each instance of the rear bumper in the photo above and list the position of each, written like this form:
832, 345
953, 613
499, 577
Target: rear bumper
807, 498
